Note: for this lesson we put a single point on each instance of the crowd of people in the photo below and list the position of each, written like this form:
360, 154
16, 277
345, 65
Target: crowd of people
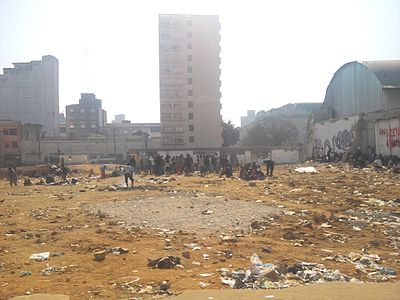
213, 163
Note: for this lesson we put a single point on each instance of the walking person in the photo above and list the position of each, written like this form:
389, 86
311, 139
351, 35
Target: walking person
128, 174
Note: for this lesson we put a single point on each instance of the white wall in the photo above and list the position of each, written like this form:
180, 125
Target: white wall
387, 137
337, 135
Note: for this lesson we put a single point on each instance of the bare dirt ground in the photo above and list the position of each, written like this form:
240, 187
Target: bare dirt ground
286, 219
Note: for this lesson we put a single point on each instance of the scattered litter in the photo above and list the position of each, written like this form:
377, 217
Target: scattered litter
25, 273
40, 256
306, 170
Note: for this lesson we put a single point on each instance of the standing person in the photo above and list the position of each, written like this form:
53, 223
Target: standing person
12, 176
270, 165
64, 172
128, 174
103, 171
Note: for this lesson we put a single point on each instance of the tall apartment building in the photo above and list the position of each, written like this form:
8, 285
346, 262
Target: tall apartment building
85, 118
29, 93
190, 81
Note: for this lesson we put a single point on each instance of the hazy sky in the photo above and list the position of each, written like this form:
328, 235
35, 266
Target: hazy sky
272, 52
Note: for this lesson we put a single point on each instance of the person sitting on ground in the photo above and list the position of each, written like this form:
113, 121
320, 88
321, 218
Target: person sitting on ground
377, 164
128, 174
27, 182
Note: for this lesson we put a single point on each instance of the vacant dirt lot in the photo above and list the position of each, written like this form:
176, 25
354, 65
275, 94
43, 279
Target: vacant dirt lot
218, 223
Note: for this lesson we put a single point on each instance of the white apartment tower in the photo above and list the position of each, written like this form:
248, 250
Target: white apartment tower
190, 81
29, 93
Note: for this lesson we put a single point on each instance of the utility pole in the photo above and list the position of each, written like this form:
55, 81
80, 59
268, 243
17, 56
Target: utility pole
115, 144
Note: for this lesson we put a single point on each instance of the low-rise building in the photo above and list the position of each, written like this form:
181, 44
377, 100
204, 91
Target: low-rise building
10, 143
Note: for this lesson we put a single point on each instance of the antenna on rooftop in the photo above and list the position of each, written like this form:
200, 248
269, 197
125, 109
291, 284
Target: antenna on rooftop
87, 70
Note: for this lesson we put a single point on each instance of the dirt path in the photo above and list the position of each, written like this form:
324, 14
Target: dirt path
195, 214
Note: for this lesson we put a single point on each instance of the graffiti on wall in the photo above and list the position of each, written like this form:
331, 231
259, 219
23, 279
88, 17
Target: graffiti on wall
392, 136
343, 139
339, 143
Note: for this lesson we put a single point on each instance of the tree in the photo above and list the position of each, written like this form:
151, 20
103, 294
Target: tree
230, 134
273, 132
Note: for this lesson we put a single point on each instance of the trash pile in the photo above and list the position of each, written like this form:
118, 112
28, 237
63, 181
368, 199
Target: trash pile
368, 264
152, 288
269, 276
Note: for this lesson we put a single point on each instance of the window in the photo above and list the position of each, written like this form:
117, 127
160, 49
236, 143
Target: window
167, 140
72, 126
14, 144
191, 127
189, 57
92, 110
178, 116
178, 140
166, 116
82, 110
190, 81
93, 126
190, 116
12, 131
189, 34
189, 69
190, 92
189, 46
83, 126
6, 145
190, 104
191, 139
71, 110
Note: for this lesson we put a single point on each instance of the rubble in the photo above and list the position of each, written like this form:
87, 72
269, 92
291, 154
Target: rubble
167, 262
267, 275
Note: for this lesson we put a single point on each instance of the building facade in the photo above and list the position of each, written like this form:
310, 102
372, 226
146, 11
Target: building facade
10, 143
29, 93
363, 87
361, 110
118, 119
85, 118
249, 118
128, 129
190, 81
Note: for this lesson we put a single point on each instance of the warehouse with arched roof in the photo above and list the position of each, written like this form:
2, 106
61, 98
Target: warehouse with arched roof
363, 87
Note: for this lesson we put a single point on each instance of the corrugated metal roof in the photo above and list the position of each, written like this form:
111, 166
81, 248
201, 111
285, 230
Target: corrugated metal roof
387, 72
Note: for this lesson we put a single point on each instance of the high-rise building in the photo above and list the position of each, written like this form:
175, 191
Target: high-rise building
190, 81
85, 118
29, 93
246, 120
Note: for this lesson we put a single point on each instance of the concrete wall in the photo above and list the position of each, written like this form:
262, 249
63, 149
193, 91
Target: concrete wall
387, 137
337, 135
282, 156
